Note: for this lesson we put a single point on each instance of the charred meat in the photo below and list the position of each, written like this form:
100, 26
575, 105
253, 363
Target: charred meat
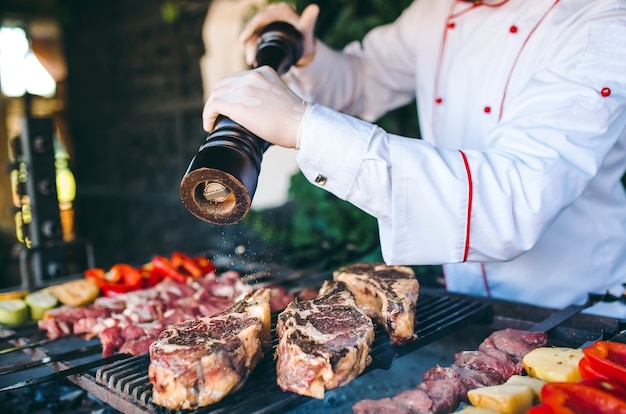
324, 342
200, 361
388, 294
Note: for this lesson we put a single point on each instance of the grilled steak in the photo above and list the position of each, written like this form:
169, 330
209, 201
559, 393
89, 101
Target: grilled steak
324, 342
388, 294
200, 361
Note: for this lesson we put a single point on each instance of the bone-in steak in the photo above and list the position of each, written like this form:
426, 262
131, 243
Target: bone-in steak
200, 361
324, 342
388, 294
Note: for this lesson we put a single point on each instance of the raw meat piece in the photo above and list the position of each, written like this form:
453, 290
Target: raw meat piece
444, 394
516, 343
497, 359
482, 361
415, 400
470, 378
148, 310
385, 405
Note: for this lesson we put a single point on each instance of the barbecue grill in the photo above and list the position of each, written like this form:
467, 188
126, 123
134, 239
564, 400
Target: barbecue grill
447, 323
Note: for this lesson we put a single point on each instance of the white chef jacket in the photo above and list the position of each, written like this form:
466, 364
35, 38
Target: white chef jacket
515, 187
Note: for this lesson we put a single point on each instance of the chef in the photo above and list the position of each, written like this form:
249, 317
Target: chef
515, 185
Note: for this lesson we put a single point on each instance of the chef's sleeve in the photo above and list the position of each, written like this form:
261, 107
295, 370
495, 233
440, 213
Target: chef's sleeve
365, 79
445, 205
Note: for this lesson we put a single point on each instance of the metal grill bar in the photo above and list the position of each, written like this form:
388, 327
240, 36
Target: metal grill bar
124, 385
18, 331
436, 316
74, 354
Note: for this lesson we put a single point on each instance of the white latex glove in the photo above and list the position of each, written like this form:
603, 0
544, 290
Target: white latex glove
259, 101
282, 12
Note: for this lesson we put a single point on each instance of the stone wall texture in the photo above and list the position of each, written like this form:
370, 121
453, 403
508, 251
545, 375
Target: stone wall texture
135, 102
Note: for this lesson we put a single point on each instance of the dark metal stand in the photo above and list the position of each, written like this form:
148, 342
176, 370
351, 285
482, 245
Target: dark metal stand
45, 257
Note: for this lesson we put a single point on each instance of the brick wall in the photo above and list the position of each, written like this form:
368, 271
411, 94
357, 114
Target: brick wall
135, 102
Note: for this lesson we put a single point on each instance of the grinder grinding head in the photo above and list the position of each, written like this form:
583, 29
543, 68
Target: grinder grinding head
215, 196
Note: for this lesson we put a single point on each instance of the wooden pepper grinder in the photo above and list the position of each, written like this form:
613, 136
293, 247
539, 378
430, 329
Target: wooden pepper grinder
221, 179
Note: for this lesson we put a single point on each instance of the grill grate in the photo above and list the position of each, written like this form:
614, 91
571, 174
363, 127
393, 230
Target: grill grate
437, 316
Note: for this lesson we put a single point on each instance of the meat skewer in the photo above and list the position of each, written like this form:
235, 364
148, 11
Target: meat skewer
497, 359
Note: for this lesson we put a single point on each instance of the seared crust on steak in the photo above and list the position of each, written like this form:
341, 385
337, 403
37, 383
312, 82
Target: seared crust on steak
200, 361
388, 294
324, 343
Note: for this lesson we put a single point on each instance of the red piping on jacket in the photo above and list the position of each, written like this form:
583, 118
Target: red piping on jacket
485, 282
508, 79
470, 191
442, 47
451, 16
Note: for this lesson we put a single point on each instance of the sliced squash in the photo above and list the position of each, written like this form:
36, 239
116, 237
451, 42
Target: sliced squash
40, 302
13, 311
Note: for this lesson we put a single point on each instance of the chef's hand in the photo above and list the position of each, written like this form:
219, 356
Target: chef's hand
282, 12
259, 101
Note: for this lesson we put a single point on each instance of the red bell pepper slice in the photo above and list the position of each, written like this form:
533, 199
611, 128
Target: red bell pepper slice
97, 275
185, 264
541, 409
588, 371
581, 398
125, 274
162, 266
149, 275
608, 385
608, 358
121, 278
205, 264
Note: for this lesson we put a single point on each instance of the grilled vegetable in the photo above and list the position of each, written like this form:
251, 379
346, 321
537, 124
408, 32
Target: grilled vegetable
180, 267
19, 294
535, 384
470, 409
544, 408
77, 292
162, 266
604, 359
504, 398
589, 371
39, 303
121, 278
583, 397
554, 364
612, 387
13, 311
